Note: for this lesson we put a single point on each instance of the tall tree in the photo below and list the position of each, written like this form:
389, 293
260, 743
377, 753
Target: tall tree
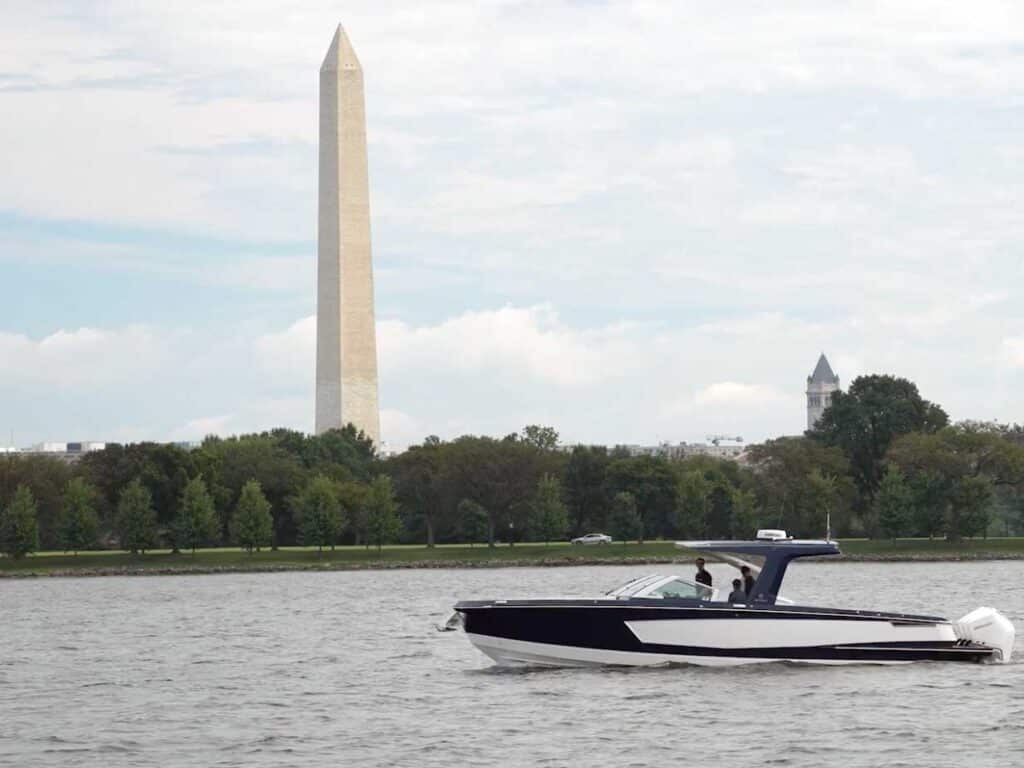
319, 511
252, 526
549, 518
542, 438
228, 464
346, 447
744, 513
895, 503
929, 491
788, 495
824, 498
78, 522
472, 521
19, 530
136, 518
383, 523
352, 497
865, 420
694, 497
969, 462
46, 477
971, 500
653, 484
419, 483
585, 491
624, 521
197, 523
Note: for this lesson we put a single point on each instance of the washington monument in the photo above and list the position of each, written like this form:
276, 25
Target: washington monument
346, 338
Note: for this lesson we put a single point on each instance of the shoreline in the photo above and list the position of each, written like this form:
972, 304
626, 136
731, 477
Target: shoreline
198, 569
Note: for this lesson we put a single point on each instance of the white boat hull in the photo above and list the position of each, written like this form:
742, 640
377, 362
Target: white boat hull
520, 653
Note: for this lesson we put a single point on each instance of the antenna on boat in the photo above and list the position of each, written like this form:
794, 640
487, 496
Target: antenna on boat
828, 526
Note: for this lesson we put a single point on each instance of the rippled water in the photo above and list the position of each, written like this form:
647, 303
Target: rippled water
346, 669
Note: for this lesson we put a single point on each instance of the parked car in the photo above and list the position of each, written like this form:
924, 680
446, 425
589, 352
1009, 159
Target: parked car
592, 538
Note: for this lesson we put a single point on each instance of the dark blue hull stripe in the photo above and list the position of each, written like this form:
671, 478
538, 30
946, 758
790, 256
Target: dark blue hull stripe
605, 629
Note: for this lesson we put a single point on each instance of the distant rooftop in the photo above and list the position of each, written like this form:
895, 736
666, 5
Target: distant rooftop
823, 372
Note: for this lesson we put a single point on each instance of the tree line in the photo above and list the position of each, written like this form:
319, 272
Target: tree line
881, 462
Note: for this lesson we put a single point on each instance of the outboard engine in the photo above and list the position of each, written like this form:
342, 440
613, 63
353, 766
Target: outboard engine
988, 627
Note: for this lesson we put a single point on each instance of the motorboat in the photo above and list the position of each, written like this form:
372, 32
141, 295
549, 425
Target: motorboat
664, 619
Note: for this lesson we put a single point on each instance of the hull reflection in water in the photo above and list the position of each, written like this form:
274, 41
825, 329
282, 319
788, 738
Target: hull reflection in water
666, 619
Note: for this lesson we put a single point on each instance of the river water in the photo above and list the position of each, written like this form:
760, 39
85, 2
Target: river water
346, 669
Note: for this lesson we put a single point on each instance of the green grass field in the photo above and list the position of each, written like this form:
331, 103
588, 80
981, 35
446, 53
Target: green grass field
225, 559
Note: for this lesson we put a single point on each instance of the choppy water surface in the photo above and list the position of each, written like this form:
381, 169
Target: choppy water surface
346, 669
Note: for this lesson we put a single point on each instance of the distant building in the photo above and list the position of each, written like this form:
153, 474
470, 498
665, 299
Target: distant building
69, 452
821, 385
677, 451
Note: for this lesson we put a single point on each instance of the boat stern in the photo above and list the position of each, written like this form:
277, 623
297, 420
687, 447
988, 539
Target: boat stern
989, 627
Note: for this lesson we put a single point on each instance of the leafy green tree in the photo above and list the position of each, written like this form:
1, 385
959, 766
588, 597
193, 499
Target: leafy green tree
793, 477
895, 502
383, 523
585, 491
419, 483
542, 438
352, 497
865, 420
346, 447
197, 523
19, 530
164, 469
228, 464
78, 522
318, 509
824, 498
46, 477
252, 526
694, 501
499, 475
472, 521
929, 494
136, 519
624, 521
972, 499
744, 513
653, 483
973, 461
549, 518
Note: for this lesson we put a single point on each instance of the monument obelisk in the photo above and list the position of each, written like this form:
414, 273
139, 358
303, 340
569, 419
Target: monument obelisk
346, 338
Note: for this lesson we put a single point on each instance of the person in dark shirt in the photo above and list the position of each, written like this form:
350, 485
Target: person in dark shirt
748, 580
703, 577
737, 595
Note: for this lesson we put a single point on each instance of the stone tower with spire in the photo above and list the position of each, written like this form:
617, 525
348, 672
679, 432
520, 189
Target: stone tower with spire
820, 386
346, 341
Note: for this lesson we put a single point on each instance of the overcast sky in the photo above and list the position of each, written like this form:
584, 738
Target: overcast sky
635, 222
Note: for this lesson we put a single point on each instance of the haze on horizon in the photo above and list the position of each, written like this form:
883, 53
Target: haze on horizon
631, 221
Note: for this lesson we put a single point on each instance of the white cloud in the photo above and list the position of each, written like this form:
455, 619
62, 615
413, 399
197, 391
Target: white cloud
735, 394
197, 429
513, 343
563, 233
1013, 351
86, 358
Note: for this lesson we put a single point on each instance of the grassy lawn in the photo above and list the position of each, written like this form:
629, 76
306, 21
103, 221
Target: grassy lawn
454, 555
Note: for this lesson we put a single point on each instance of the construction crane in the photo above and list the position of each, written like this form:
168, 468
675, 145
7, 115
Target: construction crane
716, 439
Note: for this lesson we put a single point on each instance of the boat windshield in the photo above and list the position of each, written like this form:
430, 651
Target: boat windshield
680, 588
660, 587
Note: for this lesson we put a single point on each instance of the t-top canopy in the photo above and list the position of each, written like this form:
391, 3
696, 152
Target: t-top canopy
777, 554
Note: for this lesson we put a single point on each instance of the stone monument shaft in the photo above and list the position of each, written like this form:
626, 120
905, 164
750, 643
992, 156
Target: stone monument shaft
346, 338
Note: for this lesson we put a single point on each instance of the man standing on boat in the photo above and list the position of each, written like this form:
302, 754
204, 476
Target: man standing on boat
748, 579
703, 576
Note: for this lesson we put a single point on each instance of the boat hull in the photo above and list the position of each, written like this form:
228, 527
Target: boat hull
597, 633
